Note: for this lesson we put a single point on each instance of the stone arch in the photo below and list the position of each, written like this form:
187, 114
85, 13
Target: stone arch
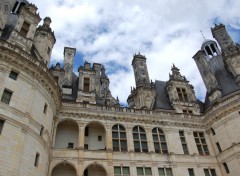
95, 168
64, 168
95, 136
67, 134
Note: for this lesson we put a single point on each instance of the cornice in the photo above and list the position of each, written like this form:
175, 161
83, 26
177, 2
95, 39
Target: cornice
94, 112
15, 56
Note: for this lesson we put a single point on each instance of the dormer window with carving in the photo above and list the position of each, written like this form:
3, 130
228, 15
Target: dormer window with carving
182, 94
25, 28
86, 84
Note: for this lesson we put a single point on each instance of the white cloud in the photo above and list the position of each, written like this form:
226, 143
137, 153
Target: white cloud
166, 32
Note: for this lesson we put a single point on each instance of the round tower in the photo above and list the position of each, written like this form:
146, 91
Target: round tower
44, 40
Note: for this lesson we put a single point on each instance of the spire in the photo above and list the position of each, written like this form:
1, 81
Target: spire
203, 35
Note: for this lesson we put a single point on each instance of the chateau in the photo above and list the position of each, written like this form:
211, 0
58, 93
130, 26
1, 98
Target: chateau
54, 122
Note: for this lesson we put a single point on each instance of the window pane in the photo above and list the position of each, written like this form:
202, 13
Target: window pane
191, 172
206, 172
123, 135
161, 172
124, 143
148, 171
169, 171
135, 136
203, 141
115, 128
135, 129
154, 130
143, 137
164, 146
141, 129
213, 172
115, 134
162, 138
140, 171
121, 128
144, 145
115, 143
126, 170
117, 170
155, 137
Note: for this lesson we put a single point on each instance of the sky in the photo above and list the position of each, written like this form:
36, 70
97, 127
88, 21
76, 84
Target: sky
110, 32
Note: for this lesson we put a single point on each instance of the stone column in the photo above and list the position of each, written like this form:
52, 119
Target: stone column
81, 136
129, 139
150, 140
54, 131
109, 145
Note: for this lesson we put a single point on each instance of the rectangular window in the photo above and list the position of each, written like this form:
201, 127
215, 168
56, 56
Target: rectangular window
86, 146
49, 50
144, 171
25, 28
182, 94
165, 172
121, 171
45, 108
99, 138
6, 96
210, 172
13, 75
70, 145
41, 130
1, 125
184, 142
191, 172
86, 131
219, 147
201, 143
226, 168
6, 8
213, 131
36, 159
86, 84
187, 111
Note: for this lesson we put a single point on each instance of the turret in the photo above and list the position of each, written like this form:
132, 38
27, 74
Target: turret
209, 61
44, 40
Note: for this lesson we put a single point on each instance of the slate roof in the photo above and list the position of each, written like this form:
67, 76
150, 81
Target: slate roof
162, 100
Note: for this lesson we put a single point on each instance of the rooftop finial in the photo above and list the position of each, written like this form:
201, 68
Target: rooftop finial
202, 35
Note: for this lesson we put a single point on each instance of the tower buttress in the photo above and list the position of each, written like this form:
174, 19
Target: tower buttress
69, 54
140, 70
44, 40
230, 50
144, 94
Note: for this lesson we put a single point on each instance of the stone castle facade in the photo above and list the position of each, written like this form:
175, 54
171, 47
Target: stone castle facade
56, 123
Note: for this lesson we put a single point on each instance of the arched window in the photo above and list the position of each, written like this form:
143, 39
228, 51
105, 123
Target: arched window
119, 138
139, 139
159, 141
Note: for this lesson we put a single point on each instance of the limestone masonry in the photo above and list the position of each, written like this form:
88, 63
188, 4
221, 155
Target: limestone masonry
54, 122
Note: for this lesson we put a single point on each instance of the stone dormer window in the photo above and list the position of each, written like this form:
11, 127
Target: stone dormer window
25, 28
182, 94
86, 84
